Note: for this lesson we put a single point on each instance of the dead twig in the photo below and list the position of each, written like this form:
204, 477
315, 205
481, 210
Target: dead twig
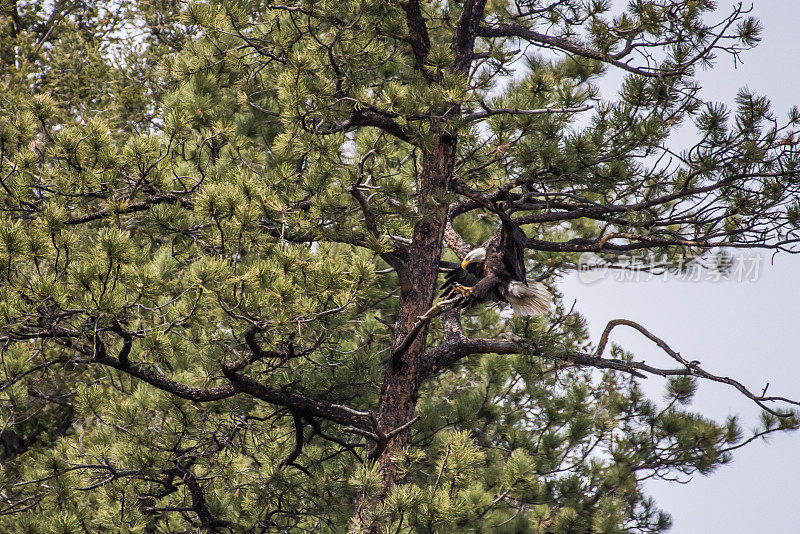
422, 320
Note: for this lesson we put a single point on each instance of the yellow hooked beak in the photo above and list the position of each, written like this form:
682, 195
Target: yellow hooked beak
465, 263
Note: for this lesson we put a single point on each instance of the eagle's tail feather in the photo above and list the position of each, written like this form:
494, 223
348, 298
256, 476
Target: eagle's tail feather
533, 299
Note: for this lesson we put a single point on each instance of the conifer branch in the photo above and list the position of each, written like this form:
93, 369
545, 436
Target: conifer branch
582, 207
256, 352
692, 368
644, 242
131, 208
302, 404
369, 220
448, 353
351, 447
560, 43
365, 118
199, 506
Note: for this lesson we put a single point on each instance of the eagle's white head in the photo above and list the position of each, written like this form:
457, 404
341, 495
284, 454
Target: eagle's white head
477, 255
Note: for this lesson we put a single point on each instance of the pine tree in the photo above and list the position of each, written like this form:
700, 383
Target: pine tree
218, 219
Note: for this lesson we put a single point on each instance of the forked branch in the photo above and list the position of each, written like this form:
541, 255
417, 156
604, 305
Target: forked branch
692, 368
450, 352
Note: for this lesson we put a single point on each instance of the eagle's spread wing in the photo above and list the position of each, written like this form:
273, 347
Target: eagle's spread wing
512, 247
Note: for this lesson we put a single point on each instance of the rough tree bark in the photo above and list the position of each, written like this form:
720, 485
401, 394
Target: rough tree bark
403, 376
402, 379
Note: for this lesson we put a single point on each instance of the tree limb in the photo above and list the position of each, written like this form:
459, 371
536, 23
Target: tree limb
132, 208
559, 43
418, 37
454, 240
304, 405
488, 112
298, 442
448, 353
693, 368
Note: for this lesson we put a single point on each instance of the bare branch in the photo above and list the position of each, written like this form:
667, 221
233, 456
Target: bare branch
644, 242
448, 353
693, 367
298, 441
559, 43
454, 240
422, 320
488, 112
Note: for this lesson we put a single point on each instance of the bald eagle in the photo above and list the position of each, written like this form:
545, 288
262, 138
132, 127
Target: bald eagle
496, 272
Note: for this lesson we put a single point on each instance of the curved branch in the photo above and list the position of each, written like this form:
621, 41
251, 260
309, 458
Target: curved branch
693, 368
303, 405
559, 43
298, 442
448, 353
199, 506
369, 220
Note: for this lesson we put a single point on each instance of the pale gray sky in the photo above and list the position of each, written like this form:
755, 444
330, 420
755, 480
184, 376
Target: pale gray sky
745, 330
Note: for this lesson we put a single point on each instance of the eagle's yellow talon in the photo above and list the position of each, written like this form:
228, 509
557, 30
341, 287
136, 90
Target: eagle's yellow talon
463, 290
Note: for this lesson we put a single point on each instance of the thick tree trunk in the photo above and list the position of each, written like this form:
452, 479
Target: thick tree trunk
401, 382
404, 373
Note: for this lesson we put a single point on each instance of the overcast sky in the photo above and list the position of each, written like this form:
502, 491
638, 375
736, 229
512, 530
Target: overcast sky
746, 330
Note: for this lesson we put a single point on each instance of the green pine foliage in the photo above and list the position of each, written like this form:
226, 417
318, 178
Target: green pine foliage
203, 207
